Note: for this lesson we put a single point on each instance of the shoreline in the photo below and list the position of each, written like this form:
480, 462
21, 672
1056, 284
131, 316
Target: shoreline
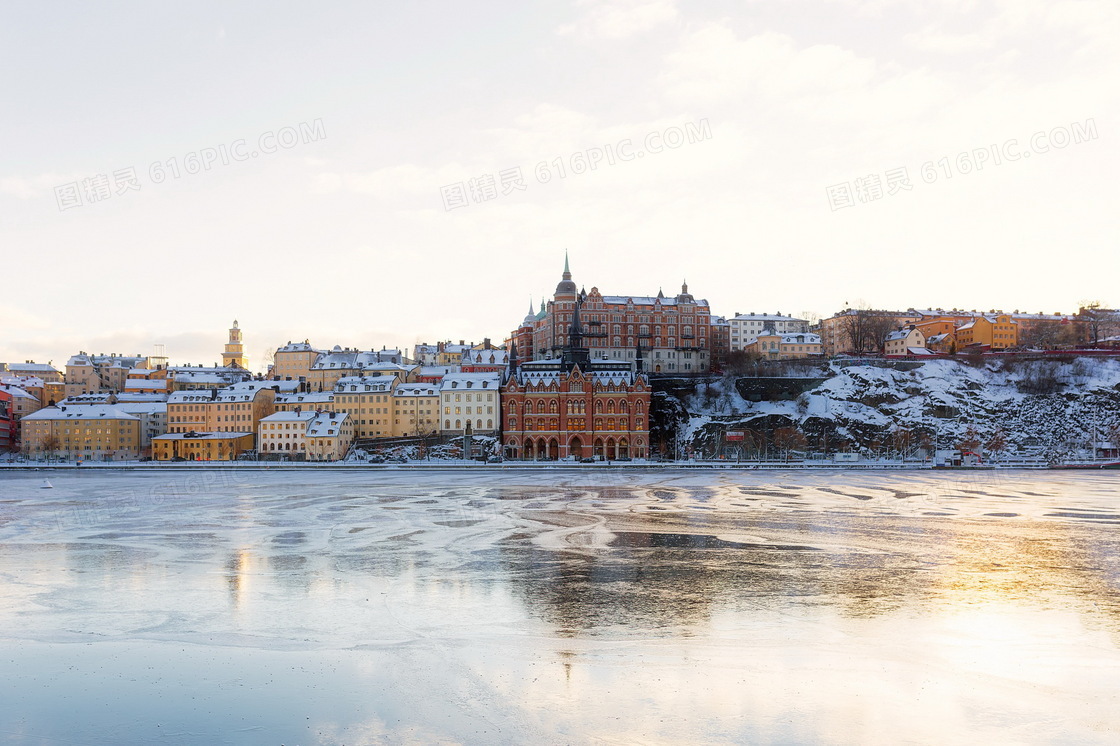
163, 467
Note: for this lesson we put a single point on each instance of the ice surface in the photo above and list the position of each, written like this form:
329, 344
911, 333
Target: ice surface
559, 606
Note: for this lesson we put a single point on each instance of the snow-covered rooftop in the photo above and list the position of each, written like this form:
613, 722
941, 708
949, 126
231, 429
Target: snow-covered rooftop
81, 412
326, 425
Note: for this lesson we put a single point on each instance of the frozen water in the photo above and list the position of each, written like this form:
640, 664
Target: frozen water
559, 606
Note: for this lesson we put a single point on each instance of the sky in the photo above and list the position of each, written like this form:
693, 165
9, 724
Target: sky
375, 174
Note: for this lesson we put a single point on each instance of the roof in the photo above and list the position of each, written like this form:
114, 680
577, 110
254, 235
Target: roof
645, 300
493, 356
318, 397
340, 359
32, 367
304, 346
417, 389
156, 384
201, 436
16, 392
365, 383
326, 425
470, 381
29, 382
106, 361
797, 338
81, 412
303, 416
765, 317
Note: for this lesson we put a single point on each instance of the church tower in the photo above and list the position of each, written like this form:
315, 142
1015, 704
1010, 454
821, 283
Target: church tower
235, 351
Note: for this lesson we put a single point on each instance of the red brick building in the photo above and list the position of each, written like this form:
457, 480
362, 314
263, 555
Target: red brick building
575, 406
672, 335
8, 427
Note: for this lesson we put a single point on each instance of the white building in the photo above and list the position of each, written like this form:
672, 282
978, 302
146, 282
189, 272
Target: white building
329, 435
284, 433
473, 398
747, 327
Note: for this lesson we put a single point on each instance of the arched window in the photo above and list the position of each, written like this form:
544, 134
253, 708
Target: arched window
552, 407
489, 424
622, 406
641, 406
598, 423
610, 406
447, 424
599, 406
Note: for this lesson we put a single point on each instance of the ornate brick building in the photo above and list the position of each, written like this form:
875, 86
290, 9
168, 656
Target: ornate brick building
574, 405
671, 335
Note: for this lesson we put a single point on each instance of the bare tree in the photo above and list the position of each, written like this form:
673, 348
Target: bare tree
996, 444
866, 330
49, 445
1101, 323
970, 441
788, 439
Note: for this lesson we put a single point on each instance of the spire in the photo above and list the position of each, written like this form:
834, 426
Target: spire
567, 272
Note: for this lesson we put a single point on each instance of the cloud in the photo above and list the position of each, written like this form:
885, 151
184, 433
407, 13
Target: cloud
36, 186
713, 64
620, 19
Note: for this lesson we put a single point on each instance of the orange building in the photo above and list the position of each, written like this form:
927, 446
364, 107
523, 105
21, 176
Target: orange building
997, 332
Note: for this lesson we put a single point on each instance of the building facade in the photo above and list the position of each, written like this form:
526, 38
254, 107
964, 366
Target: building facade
774, 346
473, 398
92, 374
575, 406
904, 341
746, 327
234, 354
670, 334
416, 409
329, 436
82, 432
196, 446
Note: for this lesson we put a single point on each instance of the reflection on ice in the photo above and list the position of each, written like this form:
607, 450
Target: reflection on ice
556, 607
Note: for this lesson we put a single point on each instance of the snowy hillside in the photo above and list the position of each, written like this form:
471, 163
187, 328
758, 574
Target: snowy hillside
1044, 407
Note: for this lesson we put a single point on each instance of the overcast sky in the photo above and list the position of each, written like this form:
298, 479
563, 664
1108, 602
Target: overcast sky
788, 198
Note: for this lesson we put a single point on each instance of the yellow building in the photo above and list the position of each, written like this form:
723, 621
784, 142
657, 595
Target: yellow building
82, 432
201, 446
235, 409
94, 374
785, 346
369, 402
415, 409
857, 330
31, 369
294, 360
901, 342
329, 436
25, 395
341, 363
317, 401
234, 353
997, 332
